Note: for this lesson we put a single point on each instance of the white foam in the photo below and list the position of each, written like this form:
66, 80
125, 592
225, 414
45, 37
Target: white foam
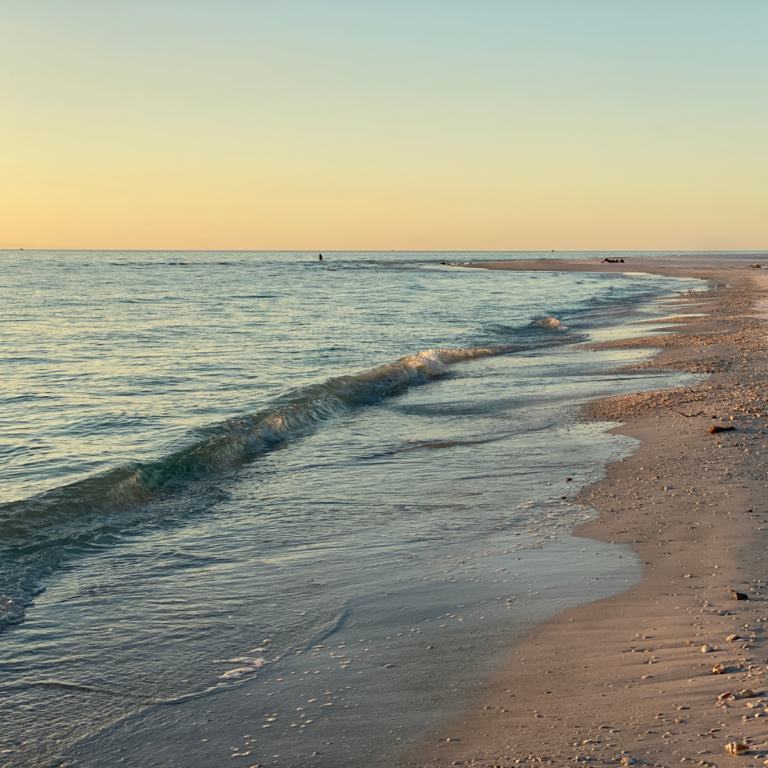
253, 662
549, 322
234, 674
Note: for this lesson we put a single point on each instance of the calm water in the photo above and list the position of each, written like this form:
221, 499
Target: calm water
260, 508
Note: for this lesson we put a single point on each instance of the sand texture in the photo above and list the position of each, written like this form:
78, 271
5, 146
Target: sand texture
629, 679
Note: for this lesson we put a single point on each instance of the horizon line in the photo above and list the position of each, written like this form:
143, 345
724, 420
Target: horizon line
671, 251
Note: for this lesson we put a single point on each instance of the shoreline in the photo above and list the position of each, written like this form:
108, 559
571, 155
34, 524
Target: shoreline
623, 680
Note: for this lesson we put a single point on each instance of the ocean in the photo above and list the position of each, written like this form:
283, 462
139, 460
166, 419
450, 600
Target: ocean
267, 510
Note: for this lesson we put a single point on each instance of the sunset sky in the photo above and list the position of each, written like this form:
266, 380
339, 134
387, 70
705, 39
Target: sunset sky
384, 124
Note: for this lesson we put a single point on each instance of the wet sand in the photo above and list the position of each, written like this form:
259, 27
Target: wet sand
629, 679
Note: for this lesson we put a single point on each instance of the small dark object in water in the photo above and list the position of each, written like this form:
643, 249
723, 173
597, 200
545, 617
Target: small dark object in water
320, 257
612, 261
739, 595
714, 429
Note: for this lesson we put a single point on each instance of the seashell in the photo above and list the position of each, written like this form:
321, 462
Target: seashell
736, 748
733, 638
628, 761
747, 693
718, 669
726, 695
706, 648
739, 595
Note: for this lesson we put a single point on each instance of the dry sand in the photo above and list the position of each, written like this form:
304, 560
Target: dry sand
630, 678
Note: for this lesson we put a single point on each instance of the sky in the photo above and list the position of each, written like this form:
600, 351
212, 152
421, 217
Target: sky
384, 124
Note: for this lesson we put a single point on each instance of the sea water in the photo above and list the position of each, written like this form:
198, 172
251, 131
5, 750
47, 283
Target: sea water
261, 509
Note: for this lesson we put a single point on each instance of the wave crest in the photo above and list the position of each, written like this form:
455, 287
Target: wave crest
549, 322
227, 444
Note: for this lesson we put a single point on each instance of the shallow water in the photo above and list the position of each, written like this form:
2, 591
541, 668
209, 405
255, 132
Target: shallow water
215, 463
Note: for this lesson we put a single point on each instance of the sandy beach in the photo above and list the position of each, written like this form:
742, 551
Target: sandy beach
675, 669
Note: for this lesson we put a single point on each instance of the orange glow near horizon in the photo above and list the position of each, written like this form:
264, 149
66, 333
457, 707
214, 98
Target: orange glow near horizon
252, 127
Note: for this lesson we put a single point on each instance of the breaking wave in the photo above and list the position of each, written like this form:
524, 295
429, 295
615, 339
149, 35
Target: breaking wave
234, 441
227, 444
549, 322
35, 532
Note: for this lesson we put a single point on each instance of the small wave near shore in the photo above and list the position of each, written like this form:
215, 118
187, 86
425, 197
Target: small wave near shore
549, 322
77, 512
